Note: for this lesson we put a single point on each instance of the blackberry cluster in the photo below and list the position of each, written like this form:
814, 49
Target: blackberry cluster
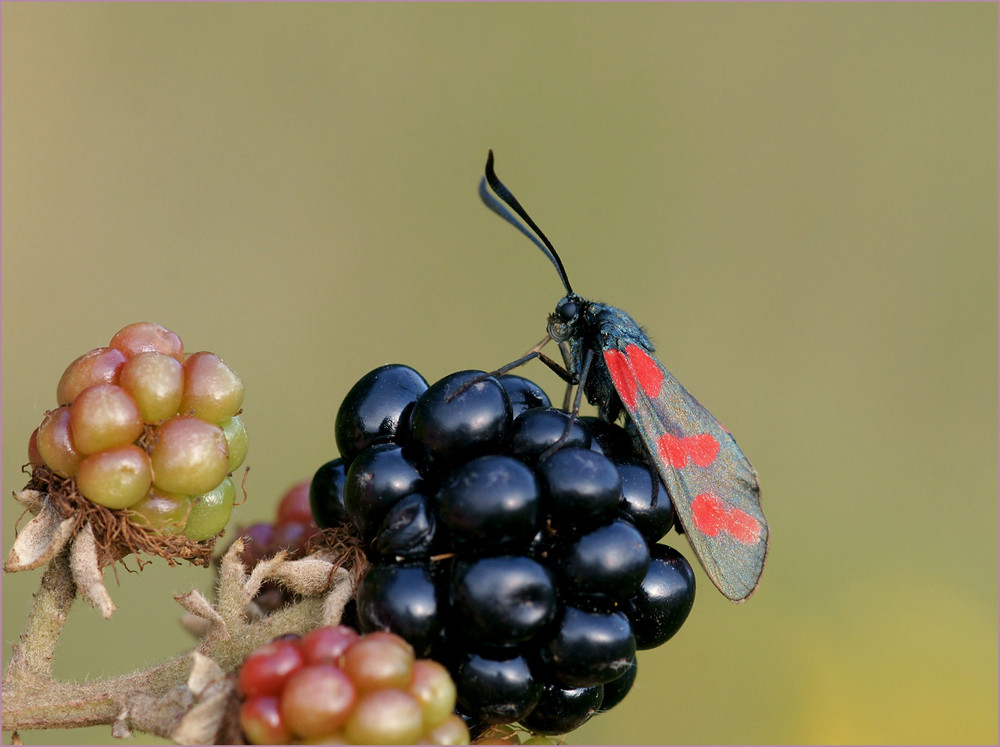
144, 426
524, 561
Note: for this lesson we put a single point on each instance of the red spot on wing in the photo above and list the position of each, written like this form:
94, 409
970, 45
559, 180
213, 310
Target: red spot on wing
621, 376
701, 449
712, 515
646, 369
632, 369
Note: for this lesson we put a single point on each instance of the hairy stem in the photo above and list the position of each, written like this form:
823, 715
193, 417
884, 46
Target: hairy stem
47, 704
33, 655
33, 700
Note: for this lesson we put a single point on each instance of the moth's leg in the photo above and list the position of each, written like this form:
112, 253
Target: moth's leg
588, 358
535, 352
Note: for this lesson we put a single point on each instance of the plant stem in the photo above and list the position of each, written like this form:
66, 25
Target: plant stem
33, 700
46, 704
33, 655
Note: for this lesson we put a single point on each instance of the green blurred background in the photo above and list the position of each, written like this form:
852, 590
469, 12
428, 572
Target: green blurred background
798, 202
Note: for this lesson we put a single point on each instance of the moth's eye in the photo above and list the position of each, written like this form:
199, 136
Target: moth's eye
567, 311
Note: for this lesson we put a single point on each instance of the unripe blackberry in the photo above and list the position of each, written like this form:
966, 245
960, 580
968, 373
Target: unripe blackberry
333, 687
142, 428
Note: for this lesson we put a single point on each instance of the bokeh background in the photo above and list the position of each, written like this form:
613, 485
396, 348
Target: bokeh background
798, 202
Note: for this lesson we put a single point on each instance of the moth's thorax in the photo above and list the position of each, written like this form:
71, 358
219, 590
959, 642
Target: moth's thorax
589, 325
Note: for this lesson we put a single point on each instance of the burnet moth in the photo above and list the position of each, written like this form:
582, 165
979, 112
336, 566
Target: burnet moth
608, 357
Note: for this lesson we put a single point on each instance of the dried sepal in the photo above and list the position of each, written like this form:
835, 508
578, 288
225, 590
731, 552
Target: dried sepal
212, 688
30, 499
200, 609
205, 673
232, 628
87, 572
41, 540
340, 593
307, 576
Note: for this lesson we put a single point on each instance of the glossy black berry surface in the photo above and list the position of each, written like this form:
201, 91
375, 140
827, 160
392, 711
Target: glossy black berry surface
616, 690
501, 600
535, 431
375, 406
513, 542
645, 502
460, 417
581, 489
589, 648
496, 690
605, 565
404, 600
562, 710
523, 394
378, 478
409, 530
662, 603
610, 439
490, 504
326, 494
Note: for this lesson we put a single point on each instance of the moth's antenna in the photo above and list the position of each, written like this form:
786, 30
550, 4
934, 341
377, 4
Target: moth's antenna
501, 197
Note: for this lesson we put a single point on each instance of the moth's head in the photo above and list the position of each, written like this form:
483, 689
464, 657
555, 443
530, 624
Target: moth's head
563, 321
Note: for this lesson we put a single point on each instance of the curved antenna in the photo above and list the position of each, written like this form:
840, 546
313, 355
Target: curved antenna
501, 196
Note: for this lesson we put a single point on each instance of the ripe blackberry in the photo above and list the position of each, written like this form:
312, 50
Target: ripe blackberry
523, 394
326, 494
333, 687
562, 710
490, 504
502, 600
378, 478
143, 426
513, 542
645, 503
664, 599
375, 407
404, 599
460, 417
616, 690
409, 530
537, 430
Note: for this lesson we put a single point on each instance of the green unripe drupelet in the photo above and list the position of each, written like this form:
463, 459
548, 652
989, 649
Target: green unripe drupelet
210, 512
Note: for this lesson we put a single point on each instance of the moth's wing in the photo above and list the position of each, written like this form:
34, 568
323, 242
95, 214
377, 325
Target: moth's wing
711, 483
